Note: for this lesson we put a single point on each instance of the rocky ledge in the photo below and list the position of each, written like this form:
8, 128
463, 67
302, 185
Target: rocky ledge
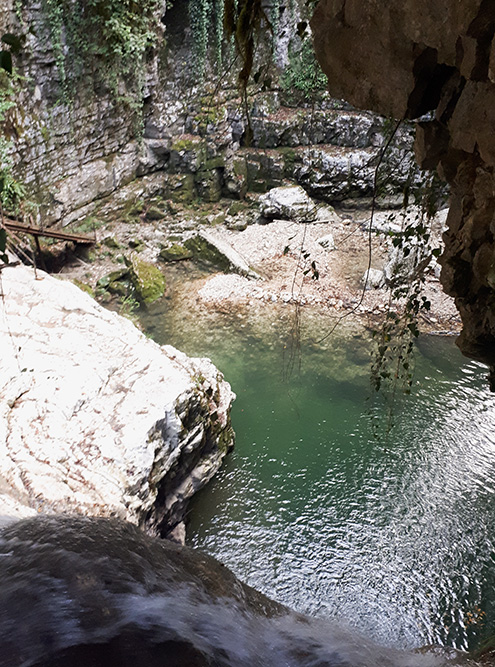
95, 417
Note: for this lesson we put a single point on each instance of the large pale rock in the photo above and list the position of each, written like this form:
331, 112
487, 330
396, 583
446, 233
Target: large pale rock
288, 203
95, 417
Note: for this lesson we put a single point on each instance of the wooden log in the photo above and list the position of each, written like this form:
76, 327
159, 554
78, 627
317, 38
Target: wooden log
13, 226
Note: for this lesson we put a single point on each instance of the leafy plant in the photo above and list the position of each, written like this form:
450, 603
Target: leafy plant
392, 365
105, 42
12, 192
303, 78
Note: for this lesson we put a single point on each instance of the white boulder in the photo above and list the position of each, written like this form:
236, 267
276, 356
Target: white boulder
288, 203
96, 418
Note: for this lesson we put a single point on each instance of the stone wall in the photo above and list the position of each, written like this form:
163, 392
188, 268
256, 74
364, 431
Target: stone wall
433, 56
74, 156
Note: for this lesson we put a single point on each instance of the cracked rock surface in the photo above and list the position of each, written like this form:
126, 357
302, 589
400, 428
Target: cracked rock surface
95, 418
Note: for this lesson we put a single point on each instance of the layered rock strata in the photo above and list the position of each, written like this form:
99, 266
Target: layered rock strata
95, 417
74, 153
432, 56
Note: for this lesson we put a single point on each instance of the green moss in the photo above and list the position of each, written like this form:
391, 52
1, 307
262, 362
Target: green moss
116, 282
205, 252
186, 145
289, 157
136, 244
154, 213
225, 440
147, 279
181, 188
175, 253
236, 207
218, 219
209, 185
215, 163
84, 287
87, 225
111, 242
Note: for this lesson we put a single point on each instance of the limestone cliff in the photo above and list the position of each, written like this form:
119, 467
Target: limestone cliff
84, 129
407, 59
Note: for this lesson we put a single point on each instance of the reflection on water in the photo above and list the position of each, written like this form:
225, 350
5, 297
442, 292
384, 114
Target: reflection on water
395, 536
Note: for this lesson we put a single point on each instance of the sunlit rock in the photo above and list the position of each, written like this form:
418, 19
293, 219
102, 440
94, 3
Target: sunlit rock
95, 417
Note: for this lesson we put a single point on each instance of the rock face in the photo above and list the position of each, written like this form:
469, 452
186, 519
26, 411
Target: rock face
186, 144
406, 59
96, 418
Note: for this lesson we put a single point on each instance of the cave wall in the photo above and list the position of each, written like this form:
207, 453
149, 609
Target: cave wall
432, 57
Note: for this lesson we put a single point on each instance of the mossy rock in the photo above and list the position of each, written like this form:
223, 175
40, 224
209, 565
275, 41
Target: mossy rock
209, 185
181, 188
136, 244
154, 213
116, 282
113, 276
111, 242
147, 280
175, 253
236, 207
203, 251
218, 220
84, 287
217, 162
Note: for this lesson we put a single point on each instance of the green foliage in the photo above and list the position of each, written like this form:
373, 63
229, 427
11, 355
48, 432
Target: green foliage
104, 41
12, 192
303, 78
392, 365
207, 18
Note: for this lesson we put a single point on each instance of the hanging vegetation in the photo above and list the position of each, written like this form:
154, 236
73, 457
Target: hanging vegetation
104, 41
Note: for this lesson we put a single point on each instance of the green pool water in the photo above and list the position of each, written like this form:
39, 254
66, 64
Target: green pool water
394, 535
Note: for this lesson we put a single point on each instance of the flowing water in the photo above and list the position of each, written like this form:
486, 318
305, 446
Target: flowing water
394, 535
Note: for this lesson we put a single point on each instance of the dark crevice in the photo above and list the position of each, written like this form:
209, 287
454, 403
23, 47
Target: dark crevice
482, 29
430, 78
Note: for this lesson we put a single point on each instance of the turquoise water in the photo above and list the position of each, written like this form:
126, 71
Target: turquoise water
392, 535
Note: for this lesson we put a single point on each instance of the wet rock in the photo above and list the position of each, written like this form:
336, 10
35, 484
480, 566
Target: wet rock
81, 591
95, 417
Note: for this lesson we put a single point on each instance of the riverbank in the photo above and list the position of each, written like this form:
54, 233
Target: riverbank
317, 265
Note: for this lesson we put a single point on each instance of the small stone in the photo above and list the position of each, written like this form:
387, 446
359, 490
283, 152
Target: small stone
373, 279
327, 242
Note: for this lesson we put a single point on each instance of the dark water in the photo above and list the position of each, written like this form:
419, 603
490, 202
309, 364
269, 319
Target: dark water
393, 535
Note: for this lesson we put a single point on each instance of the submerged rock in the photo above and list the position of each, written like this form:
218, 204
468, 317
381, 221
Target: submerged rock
99, 592
96, 418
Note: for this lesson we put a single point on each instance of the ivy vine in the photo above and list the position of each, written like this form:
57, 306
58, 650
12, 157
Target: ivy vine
103, 42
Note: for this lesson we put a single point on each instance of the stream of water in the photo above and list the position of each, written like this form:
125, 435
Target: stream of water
393, 535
